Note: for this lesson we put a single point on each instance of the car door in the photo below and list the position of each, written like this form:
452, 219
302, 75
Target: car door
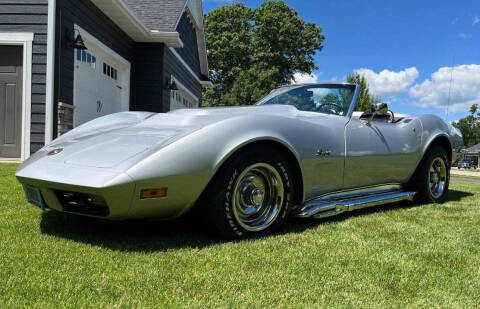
381, 152
321, 143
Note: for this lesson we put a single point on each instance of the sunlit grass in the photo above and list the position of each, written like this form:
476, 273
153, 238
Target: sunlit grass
392, 256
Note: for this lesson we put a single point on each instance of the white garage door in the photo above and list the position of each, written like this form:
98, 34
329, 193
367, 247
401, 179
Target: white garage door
101, 81
182, 98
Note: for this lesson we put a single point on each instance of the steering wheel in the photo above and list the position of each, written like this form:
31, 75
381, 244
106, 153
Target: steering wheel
338, 109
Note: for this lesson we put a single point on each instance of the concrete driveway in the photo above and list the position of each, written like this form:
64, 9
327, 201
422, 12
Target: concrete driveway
456, 171
476, 180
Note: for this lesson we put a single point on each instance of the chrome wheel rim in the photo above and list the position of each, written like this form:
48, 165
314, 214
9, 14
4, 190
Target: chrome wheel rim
437, 177
257, 197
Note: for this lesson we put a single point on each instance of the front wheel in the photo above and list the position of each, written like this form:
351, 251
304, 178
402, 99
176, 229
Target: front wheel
432, 178
251, 194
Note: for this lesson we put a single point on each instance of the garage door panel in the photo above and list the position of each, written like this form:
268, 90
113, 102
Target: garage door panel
100, 85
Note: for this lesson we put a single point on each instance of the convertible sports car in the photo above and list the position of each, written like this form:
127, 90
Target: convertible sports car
301, 151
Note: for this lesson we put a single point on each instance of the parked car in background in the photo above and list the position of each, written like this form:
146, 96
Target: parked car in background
301, 151
466, 163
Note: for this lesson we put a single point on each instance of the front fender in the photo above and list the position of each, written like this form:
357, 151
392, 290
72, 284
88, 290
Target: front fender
187, 165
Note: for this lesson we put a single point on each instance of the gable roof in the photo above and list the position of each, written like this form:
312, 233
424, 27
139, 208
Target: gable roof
474, 148
150, 21
158, 15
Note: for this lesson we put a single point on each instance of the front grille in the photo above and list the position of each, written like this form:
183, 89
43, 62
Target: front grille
82, 203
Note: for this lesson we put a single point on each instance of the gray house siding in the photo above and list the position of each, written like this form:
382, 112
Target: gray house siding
85, 14
173, 66
152, 64
149, 85
31, 16
188, 35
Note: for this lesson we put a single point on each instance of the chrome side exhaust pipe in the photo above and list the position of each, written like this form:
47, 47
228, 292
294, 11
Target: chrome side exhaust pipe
319, 208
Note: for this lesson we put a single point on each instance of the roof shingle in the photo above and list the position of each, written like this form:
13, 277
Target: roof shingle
160, 15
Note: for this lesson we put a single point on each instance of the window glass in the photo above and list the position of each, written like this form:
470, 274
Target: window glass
327, 99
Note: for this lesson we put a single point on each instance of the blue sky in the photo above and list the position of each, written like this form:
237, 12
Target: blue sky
409, 51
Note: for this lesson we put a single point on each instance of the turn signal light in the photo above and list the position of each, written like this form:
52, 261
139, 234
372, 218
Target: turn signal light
153, 193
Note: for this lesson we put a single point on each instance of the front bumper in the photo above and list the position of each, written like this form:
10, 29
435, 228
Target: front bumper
68, 189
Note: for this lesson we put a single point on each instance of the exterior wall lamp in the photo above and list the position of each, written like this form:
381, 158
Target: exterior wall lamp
172, 86
77, 42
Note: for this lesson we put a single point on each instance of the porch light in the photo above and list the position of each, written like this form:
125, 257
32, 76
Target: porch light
173, 86
78, 43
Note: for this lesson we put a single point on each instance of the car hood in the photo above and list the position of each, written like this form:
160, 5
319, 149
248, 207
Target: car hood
120, 144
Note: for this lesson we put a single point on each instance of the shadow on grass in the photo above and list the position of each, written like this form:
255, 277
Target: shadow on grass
185, 232
129, 235
300, 225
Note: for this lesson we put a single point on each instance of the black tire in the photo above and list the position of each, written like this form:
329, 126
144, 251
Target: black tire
219, 196
420, 181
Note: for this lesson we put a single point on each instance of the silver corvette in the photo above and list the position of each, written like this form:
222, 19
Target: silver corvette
301, 151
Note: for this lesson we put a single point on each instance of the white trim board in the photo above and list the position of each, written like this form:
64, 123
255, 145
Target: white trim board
93, 40
203, 83
50, 72
194, 10
24, 39
121, 14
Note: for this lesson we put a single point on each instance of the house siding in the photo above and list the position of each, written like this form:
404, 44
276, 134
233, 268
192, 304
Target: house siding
31, 16
152, 64
188, 35
149, 84
173, 66
86, 15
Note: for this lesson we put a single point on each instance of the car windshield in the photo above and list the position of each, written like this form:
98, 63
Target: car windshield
327, 99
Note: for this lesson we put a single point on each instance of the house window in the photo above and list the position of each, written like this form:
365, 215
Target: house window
110, 71
87, 57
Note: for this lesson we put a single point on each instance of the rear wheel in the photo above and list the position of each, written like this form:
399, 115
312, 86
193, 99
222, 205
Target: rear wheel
432, 178
251, 194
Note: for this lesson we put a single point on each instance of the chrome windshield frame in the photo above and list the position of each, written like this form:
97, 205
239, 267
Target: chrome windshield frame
353, 105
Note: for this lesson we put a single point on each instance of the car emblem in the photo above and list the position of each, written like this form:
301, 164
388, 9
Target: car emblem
55, 151
323, 153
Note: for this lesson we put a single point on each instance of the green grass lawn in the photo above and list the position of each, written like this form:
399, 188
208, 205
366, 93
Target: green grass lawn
390, 256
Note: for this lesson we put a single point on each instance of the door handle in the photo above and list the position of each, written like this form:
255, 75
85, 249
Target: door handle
99, 106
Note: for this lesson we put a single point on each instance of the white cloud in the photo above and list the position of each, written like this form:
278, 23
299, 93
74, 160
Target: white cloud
389, 83
335, 79
464, 35
476, 20
303, 78
464, 90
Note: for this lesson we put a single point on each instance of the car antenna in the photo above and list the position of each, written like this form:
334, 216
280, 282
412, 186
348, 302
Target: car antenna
450, 88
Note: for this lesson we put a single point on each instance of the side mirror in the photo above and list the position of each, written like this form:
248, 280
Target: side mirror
380, 108
377, 109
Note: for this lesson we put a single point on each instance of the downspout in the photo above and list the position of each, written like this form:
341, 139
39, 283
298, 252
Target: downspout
50, 71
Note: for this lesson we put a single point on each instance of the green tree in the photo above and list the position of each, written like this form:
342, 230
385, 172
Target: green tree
470, 127
252, 51
365, 99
